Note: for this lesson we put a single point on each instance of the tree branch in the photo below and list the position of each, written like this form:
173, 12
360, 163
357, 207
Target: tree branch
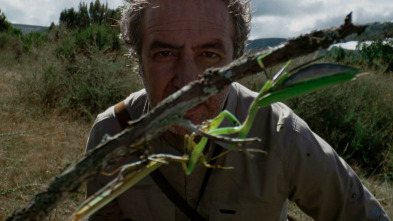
170, 111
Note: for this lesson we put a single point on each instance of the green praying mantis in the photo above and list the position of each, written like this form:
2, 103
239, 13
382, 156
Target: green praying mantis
283, 86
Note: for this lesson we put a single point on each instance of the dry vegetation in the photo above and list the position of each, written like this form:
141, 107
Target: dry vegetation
33, 150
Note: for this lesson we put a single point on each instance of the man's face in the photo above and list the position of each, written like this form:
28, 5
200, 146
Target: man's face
180, 40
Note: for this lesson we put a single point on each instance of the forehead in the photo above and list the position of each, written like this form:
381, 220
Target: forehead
188, 15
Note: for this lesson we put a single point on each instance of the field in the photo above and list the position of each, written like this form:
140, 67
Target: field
34, 148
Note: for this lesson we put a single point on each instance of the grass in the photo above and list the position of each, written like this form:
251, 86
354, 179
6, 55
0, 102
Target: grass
33, 150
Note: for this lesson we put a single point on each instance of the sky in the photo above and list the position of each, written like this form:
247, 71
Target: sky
271, 18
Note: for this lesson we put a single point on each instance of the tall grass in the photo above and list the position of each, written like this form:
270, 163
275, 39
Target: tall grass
355, 118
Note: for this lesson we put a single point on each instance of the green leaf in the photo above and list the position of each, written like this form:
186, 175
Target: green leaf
315, 71
308, 79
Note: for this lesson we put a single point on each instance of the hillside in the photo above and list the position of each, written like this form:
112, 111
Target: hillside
263, 43
26, 29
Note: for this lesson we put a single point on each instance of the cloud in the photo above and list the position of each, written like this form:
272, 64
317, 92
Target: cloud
286, 8
42, 12
278, 18
287, 18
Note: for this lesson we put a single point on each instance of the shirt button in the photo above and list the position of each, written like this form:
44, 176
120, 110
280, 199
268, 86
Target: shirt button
193, 202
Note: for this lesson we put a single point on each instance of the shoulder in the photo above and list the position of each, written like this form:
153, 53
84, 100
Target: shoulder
280, 128
106, 122
277, 116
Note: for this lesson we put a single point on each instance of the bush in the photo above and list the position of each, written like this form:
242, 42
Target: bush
66, 49
11, 44
84, 86
344, 56
376, 55
379, 53
5, 26
96, 13
33, 39
100, 36
92, 85
43, 88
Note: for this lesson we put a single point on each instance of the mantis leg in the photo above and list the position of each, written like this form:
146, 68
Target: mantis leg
198, 149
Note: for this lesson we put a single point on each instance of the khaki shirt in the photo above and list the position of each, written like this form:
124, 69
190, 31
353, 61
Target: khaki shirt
300, 166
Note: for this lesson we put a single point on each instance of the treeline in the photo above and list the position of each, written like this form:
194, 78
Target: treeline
375, 55
96, 13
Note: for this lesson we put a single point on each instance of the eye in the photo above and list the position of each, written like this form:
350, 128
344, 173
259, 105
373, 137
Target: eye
164, 55
210, 54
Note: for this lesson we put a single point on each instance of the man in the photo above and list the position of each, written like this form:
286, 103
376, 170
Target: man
174, 42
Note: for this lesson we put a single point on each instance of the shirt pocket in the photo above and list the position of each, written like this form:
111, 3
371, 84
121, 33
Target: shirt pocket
224, 214
228, 212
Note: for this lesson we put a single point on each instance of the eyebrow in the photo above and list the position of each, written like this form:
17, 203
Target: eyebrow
216, 44
161, 44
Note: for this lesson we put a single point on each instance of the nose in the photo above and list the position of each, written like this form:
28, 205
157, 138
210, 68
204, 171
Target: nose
186, 70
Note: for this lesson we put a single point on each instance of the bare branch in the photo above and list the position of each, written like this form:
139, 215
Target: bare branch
170, 111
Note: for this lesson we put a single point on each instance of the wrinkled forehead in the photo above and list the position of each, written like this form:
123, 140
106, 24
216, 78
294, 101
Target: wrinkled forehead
188, 13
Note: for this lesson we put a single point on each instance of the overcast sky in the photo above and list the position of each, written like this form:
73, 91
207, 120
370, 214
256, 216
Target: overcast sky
272, 18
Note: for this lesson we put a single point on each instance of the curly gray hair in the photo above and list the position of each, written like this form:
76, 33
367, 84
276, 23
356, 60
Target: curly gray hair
130, 24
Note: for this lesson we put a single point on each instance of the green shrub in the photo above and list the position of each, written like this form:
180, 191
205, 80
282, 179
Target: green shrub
343, 56
33, 39
5, 26
10, 38
100, 36
93, 85
379, 53
66, 49
96, 13
4, 39
11, 44
84, 86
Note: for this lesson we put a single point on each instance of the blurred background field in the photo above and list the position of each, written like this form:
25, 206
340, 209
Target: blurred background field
53, 84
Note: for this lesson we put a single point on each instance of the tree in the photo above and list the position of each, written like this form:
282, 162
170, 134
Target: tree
98, 12
4, 24
83, 20
69, 17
